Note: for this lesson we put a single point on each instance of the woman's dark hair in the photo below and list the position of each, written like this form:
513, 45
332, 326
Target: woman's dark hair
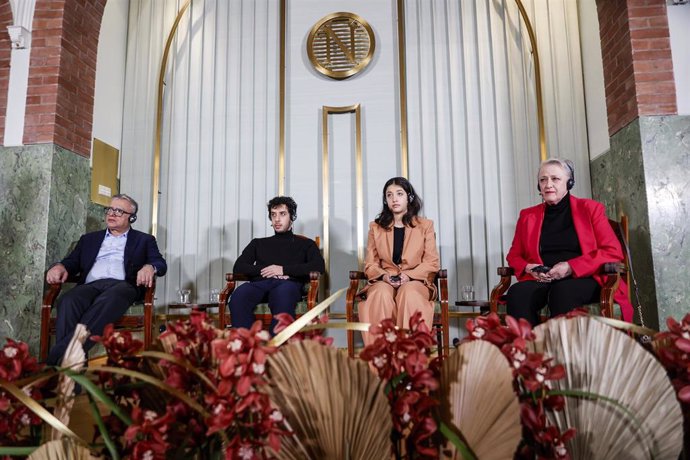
414, 204
287, 201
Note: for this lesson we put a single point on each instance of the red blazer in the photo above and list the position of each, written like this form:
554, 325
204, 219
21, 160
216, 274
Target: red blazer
598, 242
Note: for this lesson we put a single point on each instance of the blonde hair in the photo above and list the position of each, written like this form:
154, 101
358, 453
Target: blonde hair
566, 165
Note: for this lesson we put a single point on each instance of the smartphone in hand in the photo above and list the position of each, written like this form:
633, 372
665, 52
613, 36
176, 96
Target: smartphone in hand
541, 269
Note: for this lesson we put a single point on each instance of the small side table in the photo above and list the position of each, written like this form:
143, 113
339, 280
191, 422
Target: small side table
483, 305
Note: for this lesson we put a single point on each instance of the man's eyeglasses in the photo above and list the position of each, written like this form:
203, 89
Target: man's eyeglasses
116, 211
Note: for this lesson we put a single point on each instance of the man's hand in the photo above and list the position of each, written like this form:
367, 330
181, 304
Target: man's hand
272, 271
404, 278
145, 276
57, 274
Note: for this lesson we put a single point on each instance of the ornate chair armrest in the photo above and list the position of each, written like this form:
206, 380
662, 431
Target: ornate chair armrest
506, 274
312, 294
612, 268
51, 294
355, 278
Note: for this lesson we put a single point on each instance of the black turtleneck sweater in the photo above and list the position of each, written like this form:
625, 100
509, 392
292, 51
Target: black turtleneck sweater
296, 254
558, 241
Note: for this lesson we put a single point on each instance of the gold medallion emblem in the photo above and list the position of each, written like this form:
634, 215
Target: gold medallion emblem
340, 45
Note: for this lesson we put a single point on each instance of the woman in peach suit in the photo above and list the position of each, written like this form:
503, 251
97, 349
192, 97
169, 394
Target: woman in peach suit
401, 261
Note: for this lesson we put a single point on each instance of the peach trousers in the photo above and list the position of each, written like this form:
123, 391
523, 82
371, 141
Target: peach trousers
384, 301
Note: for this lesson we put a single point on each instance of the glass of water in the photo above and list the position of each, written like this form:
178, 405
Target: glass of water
184, 295
468, 293
214, 296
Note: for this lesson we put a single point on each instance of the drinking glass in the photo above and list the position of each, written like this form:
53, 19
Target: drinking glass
184, 295
214, 296
468, 293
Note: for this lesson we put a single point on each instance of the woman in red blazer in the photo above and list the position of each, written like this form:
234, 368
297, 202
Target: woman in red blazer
401, 261
558, 248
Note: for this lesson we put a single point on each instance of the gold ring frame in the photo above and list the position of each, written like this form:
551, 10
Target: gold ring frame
343, 61
325, 180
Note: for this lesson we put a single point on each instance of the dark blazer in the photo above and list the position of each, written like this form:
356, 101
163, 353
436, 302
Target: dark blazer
598, 242
140, 249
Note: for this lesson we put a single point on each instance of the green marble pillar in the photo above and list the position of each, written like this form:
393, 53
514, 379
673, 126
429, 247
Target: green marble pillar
645, 175
44, 197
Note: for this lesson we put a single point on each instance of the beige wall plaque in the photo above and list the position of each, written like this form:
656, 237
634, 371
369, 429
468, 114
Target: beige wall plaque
104, 165
341, 45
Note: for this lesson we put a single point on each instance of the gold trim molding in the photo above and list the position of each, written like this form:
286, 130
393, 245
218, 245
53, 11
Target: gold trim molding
537, 80
159, 120
402, 71
281, 97
325, 181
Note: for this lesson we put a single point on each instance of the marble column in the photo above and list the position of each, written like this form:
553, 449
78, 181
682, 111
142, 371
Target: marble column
44, 204
645, 176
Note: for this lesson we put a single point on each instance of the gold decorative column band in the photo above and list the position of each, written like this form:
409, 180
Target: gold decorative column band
281, 96
325, 180
537, 77
403, 88
159, 121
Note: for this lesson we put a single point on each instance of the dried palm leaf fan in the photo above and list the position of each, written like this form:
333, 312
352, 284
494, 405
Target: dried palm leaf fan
478, 399
335, 405
603, 361
74, 359
64, 449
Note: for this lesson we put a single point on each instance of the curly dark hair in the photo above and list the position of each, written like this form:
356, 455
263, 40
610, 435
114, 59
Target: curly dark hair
287, 201
414, 205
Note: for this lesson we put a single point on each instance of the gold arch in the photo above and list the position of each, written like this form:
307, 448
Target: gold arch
537, 80
159, 121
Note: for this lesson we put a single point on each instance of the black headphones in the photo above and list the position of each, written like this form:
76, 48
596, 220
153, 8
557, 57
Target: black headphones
132, 218
571, 181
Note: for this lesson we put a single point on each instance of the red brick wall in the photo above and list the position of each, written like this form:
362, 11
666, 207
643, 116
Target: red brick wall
5, 53
636, 53
62, 73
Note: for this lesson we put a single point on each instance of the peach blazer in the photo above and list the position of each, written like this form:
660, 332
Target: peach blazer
420, 260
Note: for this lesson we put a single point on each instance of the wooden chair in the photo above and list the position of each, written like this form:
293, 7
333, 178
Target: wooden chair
133, 320
440, 322
612, 271
262, 311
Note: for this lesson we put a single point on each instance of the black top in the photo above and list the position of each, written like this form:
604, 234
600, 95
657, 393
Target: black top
297, 255
398, 239
558, 241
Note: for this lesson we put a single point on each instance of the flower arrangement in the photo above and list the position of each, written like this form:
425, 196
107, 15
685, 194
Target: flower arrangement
215, 382
19, 426
403, 358
532, 373
221, 372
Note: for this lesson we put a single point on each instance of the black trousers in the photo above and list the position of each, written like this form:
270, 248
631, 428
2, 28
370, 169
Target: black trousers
95, 305
527, 298
282, 297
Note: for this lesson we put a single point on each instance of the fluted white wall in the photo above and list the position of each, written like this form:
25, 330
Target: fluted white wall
218, 156
472, 126
472, 118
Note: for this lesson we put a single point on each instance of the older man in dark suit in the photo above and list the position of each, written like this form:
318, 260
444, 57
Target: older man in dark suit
113, 266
